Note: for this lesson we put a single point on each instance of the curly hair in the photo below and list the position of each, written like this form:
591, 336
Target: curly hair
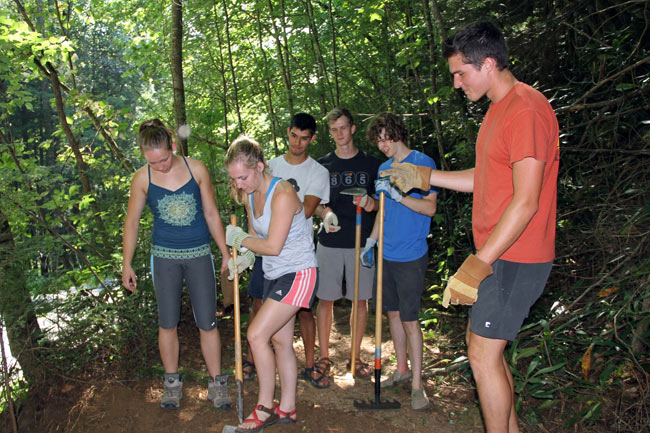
388, 122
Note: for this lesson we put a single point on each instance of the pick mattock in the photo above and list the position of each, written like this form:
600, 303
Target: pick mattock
378, 404
355, 192
239, 377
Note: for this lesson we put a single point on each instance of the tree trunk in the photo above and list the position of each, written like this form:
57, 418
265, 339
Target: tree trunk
309, 9
283, 54
334, 60
232, 67
16, 307
222, 71
267, 84
74, 145
176, 62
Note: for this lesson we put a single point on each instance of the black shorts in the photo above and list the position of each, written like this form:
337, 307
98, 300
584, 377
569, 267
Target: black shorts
505, 298
256, 282
296, 288
403, 284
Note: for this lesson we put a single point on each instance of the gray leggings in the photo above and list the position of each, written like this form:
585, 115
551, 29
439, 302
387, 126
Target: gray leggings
198, 274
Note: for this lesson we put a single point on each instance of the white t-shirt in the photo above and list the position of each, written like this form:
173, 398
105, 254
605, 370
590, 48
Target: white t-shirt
308, 178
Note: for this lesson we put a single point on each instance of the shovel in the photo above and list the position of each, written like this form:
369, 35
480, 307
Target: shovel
378, 404
355, 192
239, 378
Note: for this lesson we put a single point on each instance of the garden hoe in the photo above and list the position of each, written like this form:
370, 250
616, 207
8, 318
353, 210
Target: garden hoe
378, 404
239, 378
355, 192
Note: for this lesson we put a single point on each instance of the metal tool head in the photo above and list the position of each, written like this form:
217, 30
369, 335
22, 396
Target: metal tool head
356, 191
377, 404
240, 401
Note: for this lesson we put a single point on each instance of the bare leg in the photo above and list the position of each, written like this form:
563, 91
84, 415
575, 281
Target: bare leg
308, 334
168, 348
272, 317
492, 382
414, 342
255, 307
211, 349
324, 315
399, 340
285, 358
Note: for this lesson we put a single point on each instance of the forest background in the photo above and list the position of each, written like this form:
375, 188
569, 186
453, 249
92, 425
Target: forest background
76, 77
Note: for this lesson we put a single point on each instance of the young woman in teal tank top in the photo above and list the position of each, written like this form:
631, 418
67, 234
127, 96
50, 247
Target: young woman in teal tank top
180, 195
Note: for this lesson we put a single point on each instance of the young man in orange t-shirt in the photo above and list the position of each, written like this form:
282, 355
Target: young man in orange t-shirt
514, 183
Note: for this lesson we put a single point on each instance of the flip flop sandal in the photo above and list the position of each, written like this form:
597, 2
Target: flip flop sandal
259, 424
285, 417
361, 369
248, 370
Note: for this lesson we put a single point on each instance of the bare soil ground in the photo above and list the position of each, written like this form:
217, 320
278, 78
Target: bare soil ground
133, 406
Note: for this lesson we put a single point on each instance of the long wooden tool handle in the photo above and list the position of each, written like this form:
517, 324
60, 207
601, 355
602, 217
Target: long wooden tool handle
355, 307
380, 272
238, 359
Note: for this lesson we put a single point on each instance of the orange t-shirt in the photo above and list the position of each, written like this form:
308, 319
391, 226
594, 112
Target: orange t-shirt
519, 126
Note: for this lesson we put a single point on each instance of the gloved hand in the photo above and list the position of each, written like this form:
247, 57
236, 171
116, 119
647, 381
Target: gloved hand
368, 253
330, 221
407, 176
244, 260
366, 202
383, 185
234, 237
462, 287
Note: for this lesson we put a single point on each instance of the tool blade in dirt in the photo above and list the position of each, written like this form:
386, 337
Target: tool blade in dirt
354, 191
240, 401
377, 404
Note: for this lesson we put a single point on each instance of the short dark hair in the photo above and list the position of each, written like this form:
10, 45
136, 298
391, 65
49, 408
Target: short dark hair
391, 123
153, 134
475, 43
303, 121
337, 112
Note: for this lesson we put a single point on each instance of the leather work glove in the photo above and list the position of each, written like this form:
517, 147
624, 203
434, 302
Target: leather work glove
244, 260
383, 185
366, 202
368, 253
407, 176
234, 237
330, 221
462, 287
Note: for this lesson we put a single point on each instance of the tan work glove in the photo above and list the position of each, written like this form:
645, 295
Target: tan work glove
462, 287
330, 221
407, 176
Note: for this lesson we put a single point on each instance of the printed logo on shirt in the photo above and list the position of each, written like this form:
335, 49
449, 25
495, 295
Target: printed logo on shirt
348, 178
293, 182
335, 179
363, 178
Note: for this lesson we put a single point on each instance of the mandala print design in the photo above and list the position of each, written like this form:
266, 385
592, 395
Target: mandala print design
177, 209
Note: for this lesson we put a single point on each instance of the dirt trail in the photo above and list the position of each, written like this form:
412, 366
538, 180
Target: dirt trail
134, 407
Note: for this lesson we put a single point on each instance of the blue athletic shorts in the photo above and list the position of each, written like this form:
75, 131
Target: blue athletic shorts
198, 274
505, 298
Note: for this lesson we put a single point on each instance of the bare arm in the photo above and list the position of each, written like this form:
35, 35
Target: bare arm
210, 210
310, 204
461, 180
137, 200
426, 205
284, 205
527, 181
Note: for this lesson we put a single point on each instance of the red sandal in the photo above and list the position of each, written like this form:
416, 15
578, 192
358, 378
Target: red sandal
259, 424
284, 417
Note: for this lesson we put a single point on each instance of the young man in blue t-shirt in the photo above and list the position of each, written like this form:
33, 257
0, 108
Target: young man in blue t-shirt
407, 219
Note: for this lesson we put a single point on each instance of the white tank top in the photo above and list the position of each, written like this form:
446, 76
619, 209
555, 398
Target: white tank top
298, 250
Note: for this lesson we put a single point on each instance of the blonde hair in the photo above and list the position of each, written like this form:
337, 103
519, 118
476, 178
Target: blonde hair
248, 152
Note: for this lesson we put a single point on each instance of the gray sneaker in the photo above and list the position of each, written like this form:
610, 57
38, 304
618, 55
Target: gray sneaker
171, 399
218, 392
419, 400
396, 379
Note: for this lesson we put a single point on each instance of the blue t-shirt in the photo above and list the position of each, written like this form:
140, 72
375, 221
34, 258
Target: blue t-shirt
406, 231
